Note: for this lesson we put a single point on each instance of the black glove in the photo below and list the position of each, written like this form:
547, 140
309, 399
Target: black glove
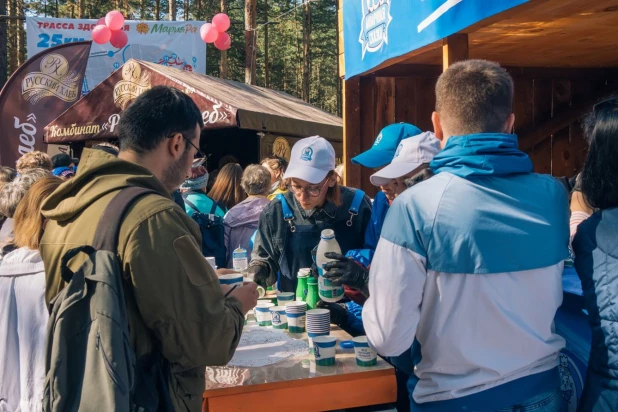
345, 271
262, 275
314, 268
338, 311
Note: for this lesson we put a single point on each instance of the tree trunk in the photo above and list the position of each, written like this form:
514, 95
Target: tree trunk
306, 51
266, 62
81, 8
186, 10
21, 33
142, 9
157, 9
250, 18
223, 62
172, 5
11, 37
3, 45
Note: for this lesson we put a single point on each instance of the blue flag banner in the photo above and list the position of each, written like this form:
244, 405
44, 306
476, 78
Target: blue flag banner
378, 30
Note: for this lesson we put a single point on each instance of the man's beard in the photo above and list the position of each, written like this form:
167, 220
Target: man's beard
175, 174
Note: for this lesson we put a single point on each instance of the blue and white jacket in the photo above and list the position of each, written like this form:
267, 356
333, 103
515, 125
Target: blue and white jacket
469, 263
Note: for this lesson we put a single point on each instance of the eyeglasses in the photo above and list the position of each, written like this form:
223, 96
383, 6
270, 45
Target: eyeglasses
198, 154
310, 191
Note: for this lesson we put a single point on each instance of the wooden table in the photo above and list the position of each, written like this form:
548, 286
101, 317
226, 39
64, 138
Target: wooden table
299, 384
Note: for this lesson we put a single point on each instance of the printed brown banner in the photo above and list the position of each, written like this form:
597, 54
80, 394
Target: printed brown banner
39, 91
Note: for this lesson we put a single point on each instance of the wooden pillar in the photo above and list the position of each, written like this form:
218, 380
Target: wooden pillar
351, 131
454, 49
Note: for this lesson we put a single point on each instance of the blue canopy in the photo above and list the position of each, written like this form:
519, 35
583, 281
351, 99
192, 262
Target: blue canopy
378, 30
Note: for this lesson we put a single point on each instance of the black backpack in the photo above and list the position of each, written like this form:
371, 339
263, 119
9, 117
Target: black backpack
213, 232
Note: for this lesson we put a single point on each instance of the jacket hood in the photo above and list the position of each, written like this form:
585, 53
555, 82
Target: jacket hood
485, 154
98, 174
246, 212
22, 261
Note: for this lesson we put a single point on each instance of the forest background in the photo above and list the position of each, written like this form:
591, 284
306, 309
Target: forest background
287, 45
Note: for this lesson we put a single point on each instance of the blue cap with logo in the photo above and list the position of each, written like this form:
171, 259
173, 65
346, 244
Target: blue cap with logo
385, 145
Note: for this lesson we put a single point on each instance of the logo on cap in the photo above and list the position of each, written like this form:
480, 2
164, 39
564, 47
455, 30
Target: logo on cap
307, 154
378, 140
398, 149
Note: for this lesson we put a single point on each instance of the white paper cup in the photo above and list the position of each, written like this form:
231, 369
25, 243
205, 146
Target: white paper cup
296, 322
311, 335
284, 297
261, 291
324, 350
262, 314
211, 260
365, 355
231, 280
279, 318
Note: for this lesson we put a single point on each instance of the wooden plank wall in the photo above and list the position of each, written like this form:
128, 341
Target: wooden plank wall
384, 100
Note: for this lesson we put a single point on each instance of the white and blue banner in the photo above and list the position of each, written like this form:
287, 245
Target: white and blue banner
378, 30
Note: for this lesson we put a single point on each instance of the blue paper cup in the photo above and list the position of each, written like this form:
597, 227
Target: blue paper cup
231, 280
279, 318
365, 355
262, 314
324, 350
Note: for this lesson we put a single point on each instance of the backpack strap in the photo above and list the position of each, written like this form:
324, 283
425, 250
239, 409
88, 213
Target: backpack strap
191, 205
108, 229
288, 215
359, 195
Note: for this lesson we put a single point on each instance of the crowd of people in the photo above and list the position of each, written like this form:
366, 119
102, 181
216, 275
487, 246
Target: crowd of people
453, 270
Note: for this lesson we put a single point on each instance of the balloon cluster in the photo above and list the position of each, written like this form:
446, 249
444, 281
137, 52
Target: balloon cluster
215, 32
109, 29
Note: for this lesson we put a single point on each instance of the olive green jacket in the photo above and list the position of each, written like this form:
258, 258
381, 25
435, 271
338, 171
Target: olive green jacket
175, 304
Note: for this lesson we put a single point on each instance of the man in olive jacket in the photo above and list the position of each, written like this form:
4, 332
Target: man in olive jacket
178, 315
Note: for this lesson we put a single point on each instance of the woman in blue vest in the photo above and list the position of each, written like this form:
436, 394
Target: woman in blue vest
596, 257
291, 224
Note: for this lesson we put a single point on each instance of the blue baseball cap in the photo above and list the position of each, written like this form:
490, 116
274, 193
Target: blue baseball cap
385, 145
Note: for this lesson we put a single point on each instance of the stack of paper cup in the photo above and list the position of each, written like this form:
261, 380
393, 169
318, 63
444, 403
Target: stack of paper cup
262, 313
296, 312
284, 297
318, 323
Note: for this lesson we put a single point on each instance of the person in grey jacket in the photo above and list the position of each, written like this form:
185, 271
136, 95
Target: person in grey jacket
314, 202
242, 220
596, 257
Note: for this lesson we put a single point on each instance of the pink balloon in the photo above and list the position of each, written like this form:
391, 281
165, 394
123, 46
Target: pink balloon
101, 21
209, 33
119, 39
223, 42
114, 20
221, 21
101, 34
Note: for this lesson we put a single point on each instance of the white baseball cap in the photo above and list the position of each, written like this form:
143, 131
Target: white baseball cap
411, 154
311, 160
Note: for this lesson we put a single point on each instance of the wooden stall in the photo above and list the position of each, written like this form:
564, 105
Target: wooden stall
562, 54
242, 123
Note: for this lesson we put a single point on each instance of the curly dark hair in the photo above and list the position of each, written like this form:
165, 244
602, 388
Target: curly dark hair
599, 178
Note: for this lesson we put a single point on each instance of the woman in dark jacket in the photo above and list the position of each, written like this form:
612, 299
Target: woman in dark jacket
596, 258
290, 225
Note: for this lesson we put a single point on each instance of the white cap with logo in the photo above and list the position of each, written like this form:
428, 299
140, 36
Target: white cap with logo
411, 154
311, 160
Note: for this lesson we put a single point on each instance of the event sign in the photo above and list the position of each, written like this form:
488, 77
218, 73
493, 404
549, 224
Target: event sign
171, 43
378, 30
38, 92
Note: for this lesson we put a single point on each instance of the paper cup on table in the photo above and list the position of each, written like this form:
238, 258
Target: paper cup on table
260, 290
324, 350
211, 260
284, 297
231, 280
296, 313
262, 314
365, 355
279, 318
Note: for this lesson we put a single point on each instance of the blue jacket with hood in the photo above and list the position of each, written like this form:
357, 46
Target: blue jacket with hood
469, 264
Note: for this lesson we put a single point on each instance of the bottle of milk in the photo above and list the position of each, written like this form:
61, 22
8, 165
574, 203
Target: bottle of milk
239, 259
327, 291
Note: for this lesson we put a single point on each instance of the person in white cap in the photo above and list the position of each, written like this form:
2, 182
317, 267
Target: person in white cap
290, 226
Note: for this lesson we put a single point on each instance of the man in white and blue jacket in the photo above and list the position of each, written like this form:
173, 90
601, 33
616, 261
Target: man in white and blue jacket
470, 262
